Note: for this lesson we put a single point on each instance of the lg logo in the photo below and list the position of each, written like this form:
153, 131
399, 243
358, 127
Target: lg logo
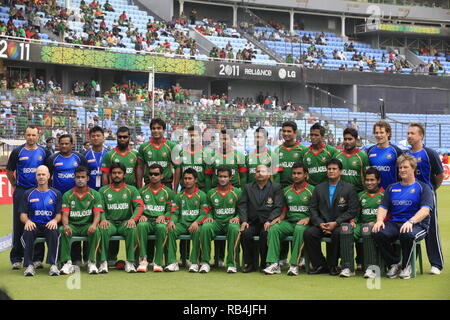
283, 73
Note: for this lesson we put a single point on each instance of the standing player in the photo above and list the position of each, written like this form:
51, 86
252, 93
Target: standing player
261, 154
40, 212
24, 160
294, 220
354, 161
189, 210
122, 206
384, 155
223, 219
157, 199
318, 154
95, 156
82, 206
431, 172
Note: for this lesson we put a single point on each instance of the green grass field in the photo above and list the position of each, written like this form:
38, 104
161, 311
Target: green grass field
219, 285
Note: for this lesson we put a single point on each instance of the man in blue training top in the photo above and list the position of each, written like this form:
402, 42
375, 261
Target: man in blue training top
40, 212
94, 157
23, 161
431, 172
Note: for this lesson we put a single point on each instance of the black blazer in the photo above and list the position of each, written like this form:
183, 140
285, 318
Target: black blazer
344, 207
251, 210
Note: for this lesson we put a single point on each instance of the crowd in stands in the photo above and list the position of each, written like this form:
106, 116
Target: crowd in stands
30, 85
228, 53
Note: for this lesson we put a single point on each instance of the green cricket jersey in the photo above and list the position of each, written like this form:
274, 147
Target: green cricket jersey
189, 208
316, 163
196, 160
157, 202
223, 206
129, 159
297, 202
353, 167
286, 159
162, 155
253, 159
81, 209
121, 204
369, 206
233, 159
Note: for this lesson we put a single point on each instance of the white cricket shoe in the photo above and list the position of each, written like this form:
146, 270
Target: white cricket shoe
346, 273
38, 265
406, 273
293, 271
172, 267
157, 268
272, 269
16, 265
302, 263
54, 271
232, 270
204, 268
220, 264
435, 270
193, 268
29, 272
68, 268
103, 267
143, 266
92, 268
284, 262
393, 271
129, 267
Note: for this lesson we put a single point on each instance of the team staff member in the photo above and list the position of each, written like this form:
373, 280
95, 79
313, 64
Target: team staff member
384, 155
333, 203
40, 212
260, 155
293, 221
431, 172
409, 203
23, 161
261, 203
95, 156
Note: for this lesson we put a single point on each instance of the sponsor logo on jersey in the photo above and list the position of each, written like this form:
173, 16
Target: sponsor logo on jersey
66, 175
402, 202
373, 155
58, 164
23, 158
34, 200
396, 190
383, 168
91, 160
29, 170
412, 190
43, 213
50, 201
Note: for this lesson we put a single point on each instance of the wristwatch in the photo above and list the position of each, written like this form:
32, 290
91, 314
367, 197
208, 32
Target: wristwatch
412, 221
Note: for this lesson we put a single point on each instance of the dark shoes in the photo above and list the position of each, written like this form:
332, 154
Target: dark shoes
249, 268
319, 270
334, 271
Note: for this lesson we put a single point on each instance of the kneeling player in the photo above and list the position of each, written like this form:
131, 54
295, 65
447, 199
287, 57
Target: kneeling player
293, 221
223, 219
189, 209
123, 207
80, 217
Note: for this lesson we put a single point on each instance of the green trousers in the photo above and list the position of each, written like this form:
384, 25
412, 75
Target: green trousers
209, 230
158, 229
277, 233
79, 231
180, 229
118, 228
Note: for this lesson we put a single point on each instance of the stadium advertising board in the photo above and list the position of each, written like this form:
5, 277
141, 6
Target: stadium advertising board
256, 72
446, 181
6, 190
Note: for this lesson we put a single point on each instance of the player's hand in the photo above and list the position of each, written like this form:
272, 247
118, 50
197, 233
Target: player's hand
143, 218
276, 220
68, 231
161, 219
208, 220
130, 224
244, 226
323, 226
353, 224
267, 226
234, 220
303, 222
378, 226
406, 227
29, 225
52, 225
171, 226
104, 224
332, 226
92, 229
193, 227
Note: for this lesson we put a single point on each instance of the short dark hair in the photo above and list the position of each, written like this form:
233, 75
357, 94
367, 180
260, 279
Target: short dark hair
86, 142
158, 121
318, 126
418, 125
49, 140
82, 169
190, 171
300, 165
123, 129
291, 124
119, 165
334, 161
96, 129
223, 169
373, 170
261, 129
156, 166
65, 136
351, 131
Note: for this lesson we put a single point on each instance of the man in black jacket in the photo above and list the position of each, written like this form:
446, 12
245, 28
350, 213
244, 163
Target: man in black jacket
260, 205
333, 202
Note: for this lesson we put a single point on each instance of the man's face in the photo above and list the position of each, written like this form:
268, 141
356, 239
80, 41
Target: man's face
189, 181
260, 139
42, 175
223, 178
65, 146
97, 138
381, 135
81, 179
372, 182
117, 175
225, 141
349, 142
316, 138
194, 137
405, 170
288, 133
414, 135
157, 131
155, 176
333, 172
262, 173
50, 144
298, 175
123, 139
31, 136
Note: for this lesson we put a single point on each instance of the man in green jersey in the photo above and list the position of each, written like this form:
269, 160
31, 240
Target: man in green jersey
361, 226
293, 221
157, 199
317, 155
80, 217
288, 153
260, 155
222, 219
189, 209
354, 161
122, 208
157, 150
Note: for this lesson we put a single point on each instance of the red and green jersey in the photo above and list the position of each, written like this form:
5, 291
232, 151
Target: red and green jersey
353, 167
254, 159
316, 163
189, 208
223, 206
369, 206
81, 208
196, 160
157, 202
149, 154
121, 204
287, 156
129, 159
297, 202
233, 159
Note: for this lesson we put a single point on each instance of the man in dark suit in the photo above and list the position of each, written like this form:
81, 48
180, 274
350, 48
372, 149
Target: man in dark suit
261, 203
333, 202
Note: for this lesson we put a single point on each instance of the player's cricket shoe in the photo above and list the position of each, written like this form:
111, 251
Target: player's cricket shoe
284, 262
54, 271
172, 267
67, 268
193, 268
302, 263
435, 271
204, 268
29, 272
129, 267
38, 265
92, 268
393, 271
406, 273
220, 264
272, 269
293, 271
143, 266
232, 270
103, 267
157, 268
346, 273
16, 265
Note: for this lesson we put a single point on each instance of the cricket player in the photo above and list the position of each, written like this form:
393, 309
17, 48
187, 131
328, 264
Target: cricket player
260, 155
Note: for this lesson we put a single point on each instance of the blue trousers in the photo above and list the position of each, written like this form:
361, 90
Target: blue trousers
391, 233
52, 239
433, 241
